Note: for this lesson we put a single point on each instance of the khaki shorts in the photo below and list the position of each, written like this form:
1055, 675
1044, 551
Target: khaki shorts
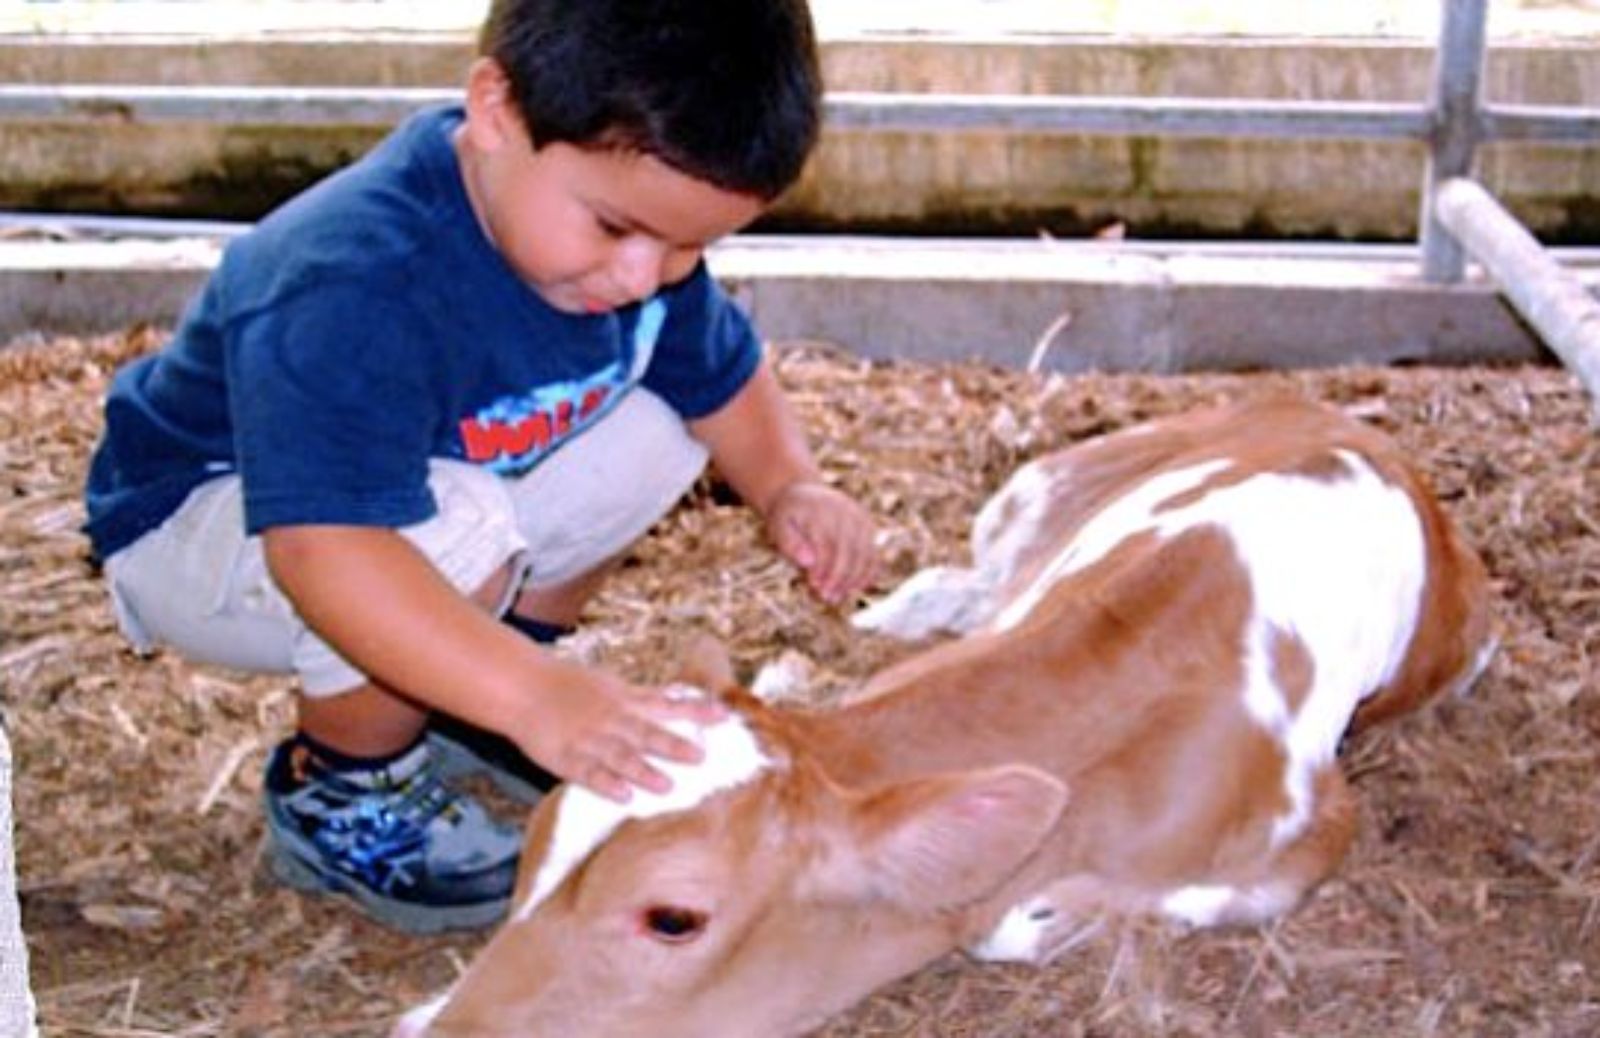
198, 584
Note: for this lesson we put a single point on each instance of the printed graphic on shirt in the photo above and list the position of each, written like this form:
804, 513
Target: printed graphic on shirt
515, 433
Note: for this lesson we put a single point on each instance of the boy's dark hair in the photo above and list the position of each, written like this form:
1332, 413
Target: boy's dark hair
727, 91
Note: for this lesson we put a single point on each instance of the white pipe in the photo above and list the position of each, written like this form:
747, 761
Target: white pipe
1546, 294
16, 999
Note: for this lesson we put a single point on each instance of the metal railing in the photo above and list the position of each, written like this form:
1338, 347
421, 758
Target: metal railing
1453, 123
861, 110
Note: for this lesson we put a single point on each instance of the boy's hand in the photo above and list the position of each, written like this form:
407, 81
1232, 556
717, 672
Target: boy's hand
827, 535
598, 731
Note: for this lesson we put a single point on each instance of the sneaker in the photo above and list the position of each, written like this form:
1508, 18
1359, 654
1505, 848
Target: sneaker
395, 839
464, 750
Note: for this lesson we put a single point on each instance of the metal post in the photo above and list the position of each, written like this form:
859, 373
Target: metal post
16, 1000
1457, 127
1547, 295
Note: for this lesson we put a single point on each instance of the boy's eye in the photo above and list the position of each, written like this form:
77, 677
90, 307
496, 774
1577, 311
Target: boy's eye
610, 228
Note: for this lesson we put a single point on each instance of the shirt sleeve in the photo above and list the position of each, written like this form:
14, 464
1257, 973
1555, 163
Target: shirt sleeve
707, 348
332, 409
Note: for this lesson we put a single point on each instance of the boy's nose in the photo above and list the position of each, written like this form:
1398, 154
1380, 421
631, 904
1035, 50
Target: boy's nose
637, 266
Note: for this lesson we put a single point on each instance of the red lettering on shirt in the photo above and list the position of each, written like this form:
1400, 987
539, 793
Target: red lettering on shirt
485, 441
592, 401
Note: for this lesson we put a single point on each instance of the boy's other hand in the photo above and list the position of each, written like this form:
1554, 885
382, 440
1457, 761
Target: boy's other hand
828, 536
600, 731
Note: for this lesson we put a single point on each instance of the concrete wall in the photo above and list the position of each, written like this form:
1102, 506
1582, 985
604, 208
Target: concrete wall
927, 183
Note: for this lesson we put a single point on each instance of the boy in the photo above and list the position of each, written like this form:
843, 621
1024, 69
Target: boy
448, 384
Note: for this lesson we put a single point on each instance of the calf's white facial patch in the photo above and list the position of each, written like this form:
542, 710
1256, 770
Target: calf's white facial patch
585, 819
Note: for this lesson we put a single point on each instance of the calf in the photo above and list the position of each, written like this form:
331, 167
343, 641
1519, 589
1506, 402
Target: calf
1165, 634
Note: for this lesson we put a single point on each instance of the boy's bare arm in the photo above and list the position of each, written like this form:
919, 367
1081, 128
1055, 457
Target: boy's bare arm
756, 442
371, 595
759, 448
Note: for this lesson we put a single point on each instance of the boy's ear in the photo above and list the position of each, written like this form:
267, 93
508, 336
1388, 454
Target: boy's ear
492, 117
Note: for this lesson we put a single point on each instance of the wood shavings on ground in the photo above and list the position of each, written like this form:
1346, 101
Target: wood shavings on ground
1470, 904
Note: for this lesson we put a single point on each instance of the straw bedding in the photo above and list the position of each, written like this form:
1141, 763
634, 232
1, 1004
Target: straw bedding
1470, 904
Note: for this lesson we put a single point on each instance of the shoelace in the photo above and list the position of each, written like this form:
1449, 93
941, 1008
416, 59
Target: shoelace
376, 837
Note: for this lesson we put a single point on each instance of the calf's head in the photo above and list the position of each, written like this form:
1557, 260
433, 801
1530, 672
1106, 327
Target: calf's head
771, 903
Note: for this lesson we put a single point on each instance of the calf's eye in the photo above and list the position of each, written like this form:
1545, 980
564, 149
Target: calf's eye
672, 924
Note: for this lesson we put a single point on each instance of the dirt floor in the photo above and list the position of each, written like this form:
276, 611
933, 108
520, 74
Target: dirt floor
1469, 906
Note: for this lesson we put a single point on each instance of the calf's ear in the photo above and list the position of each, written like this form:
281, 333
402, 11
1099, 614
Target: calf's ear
946, 841
706, 665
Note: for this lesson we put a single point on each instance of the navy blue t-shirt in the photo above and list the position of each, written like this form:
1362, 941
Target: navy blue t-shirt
369, 325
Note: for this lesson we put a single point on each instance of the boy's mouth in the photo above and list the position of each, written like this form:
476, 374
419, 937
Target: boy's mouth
574, 300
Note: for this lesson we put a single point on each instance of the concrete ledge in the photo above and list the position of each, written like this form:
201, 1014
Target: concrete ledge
84, 288
1125, 308
1128, 307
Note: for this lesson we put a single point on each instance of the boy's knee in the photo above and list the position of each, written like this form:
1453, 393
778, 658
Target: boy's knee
590, 502
473, 538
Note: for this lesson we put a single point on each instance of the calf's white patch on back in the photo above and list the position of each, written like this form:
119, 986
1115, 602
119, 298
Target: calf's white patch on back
1338, 563
585, 819
1132, 513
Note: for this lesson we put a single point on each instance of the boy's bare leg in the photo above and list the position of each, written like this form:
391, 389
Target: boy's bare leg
542, 614
562, 604
380, 826
367, 721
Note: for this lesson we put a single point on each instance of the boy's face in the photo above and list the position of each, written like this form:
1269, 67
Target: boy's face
590, 230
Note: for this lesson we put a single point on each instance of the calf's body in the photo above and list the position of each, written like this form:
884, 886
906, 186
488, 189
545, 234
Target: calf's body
1163, 637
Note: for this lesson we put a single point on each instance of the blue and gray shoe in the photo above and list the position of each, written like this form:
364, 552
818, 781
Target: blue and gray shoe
464, 750
415, 855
